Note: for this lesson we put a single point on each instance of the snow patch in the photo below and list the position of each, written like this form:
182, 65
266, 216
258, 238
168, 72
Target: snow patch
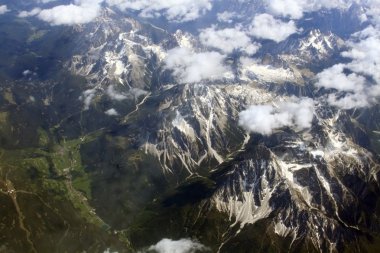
180, 123
252, 70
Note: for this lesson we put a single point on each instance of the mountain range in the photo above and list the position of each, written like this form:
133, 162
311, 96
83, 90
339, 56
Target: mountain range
189, 126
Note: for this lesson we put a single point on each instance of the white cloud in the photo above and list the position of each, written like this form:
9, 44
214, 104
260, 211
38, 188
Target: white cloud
227, 17
46, 1
365, 52
265, 119
31, 13
372, 10
111, 112
180, 246
228, 40
191, 67
27, 72
295, 9
361, 87
265, 26
113, 94
3, 9
335, 78
136, 92
87, 97
84, 11
348, 101
79, 12
109, 251
291, 8
173, 10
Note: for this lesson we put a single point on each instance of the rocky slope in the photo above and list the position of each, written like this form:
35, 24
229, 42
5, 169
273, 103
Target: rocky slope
306, 183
